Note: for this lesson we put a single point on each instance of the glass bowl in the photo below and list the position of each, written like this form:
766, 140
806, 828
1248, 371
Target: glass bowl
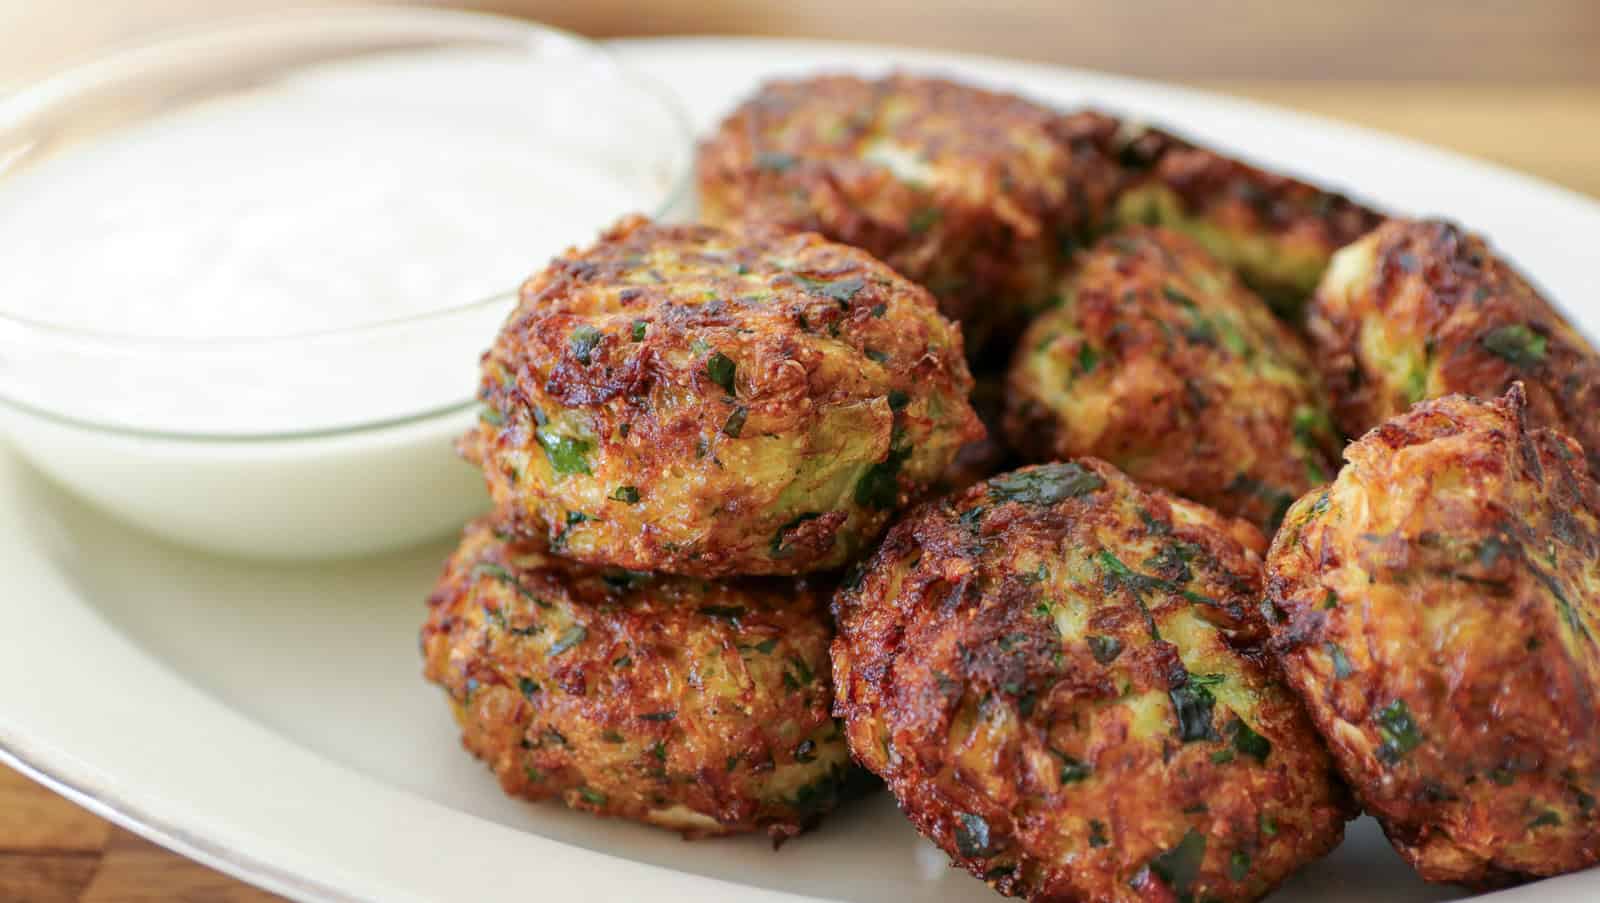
328, 433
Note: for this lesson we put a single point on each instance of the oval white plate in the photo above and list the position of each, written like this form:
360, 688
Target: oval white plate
272, 722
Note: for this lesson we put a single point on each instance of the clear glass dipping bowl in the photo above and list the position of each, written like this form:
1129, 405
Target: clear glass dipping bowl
304, 459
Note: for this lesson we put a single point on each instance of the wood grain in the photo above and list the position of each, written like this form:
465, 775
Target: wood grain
1512, 81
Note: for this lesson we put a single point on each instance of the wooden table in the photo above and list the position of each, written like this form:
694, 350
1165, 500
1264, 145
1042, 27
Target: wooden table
51, 850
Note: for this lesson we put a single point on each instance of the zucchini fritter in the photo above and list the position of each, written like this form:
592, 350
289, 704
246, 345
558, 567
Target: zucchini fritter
1437, 608
700, 707
1421, 309
1277, 232
1160, 361
1061, 677
977, 195
710, 403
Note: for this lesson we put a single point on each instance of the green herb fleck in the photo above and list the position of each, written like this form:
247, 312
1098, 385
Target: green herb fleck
570, 637
628, 495
923, 220
491, 416
1248, 742
1239, 865
719, 369
735, 422
879, 487
898, 399
584, 340
841, 290
591, 796
528, 686
659, 716
1222, 756
1072, 770
1517, 344
1180, 866
972, 835
775, 161
1341, 662
1192, 704
1046, 484
1088, 359
1269, 825
1105, 649
639, 329
1399, 731
1548, 818
1097, 833
566, 454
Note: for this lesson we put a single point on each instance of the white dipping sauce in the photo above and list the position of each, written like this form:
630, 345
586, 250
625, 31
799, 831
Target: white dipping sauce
345, 195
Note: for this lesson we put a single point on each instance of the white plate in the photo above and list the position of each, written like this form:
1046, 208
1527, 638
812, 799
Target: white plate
272, 722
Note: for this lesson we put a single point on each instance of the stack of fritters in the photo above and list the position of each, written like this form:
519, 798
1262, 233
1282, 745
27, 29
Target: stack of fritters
680, 421
1078, 681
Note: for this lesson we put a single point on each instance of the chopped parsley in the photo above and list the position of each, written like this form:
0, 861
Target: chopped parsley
1192, 703
528, 686
735, 422
1248, 742
639, 329
1399, 732
720, 369
1180, 866
1045, 485
584, 341
840, 290
1105, 649
1516, 344
1341, 662
566, 454
570, 637
628, 495
972, 835
591, 796
879, 487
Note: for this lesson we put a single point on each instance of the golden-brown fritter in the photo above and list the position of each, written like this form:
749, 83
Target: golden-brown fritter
1437, 608
1062, 677
1160, 361
1422, 309
1277, 232
700, 707
975, 194
710, 402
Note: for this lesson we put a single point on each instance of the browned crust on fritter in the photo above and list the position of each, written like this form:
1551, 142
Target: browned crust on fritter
1017, 183
1301, 219
1438, 608
1024, 748
1443, 295
1161, 362
831, 362
639, 696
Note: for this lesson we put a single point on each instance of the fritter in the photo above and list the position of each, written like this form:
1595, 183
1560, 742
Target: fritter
975, 194
1160, 361
707, 402
1063, 678
1437, 608
1421, 309
700, 707
1277, 232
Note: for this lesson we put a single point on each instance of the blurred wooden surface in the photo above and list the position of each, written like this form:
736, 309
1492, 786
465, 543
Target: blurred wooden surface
1513, 82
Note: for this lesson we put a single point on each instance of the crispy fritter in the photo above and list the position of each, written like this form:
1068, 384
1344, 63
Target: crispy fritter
1160, 361
700, 707
975, 194
710, 403
1277, 232
1437, 608
1062, 677
1421, 309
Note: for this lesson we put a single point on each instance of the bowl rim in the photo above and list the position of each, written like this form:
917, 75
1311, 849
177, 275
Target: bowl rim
169, 44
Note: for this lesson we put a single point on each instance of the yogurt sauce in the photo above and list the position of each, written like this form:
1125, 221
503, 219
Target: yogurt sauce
344, 196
